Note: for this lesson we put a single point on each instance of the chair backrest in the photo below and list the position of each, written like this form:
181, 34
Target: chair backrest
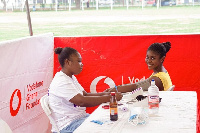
4, 128
171, 88
44, 101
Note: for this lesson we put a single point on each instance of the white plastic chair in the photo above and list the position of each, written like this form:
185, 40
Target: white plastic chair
44, 101
171, 88
4, 128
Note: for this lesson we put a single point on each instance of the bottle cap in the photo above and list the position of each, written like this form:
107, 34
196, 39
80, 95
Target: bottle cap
112, 93
152, 82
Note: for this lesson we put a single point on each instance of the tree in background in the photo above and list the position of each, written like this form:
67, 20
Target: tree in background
4, 4
77, 4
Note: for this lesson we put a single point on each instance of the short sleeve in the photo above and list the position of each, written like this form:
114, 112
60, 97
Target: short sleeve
63, 86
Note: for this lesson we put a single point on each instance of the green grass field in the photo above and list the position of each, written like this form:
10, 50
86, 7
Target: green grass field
119, 21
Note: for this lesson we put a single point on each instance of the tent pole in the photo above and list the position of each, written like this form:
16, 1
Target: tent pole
29, 19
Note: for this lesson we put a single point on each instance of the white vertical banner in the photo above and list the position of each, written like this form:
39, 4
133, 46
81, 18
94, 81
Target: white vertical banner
26, 71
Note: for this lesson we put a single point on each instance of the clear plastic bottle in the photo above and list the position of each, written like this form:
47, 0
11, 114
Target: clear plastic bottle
153, 98
113, 107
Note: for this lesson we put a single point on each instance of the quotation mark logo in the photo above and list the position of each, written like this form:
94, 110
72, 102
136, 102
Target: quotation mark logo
107, 81
14, 112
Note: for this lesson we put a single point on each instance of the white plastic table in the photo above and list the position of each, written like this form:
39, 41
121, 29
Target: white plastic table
177, 114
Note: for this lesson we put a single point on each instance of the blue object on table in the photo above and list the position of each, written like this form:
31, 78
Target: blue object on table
97, 121
132, 117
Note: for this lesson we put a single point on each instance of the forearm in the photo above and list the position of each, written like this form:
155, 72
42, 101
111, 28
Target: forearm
97, 94
123, 88
131, 87
144, 84
90, 101
127, 88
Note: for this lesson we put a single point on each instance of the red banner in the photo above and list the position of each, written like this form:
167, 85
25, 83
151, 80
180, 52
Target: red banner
119, 60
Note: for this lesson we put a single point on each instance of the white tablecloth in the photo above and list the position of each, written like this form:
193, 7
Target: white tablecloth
177, 114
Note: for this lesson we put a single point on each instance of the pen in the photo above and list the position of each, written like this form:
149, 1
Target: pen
116, 88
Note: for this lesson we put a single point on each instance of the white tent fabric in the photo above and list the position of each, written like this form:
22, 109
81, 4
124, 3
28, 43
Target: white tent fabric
25, 73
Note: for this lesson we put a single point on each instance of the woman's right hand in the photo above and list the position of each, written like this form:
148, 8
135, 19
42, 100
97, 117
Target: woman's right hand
118, 96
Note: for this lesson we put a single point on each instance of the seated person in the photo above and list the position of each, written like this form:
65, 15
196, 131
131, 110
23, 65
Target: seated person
67, 98
155, 56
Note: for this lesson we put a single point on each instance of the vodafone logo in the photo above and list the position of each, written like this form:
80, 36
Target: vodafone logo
107, 81
14, 112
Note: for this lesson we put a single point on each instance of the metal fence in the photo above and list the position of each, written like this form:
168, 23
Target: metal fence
34, 5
